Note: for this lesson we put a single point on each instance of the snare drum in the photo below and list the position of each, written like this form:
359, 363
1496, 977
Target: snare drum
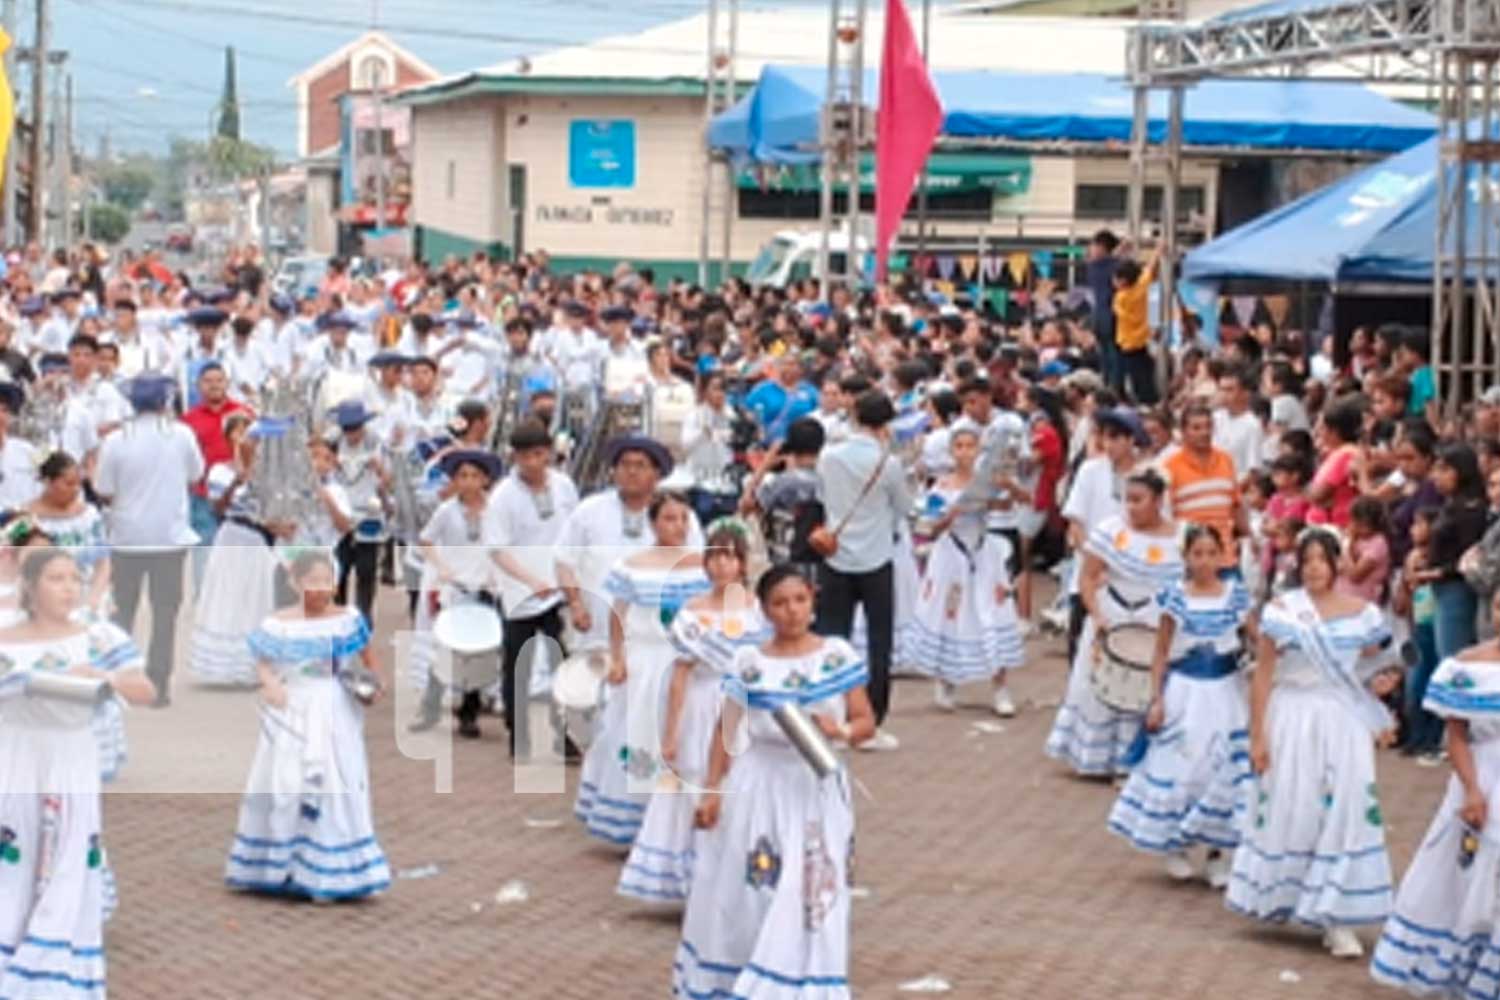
370, 529
1121, 677
471, 632
577, 688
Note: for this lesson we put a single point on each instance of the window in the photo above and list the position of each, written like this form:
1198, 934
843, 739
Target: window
452, 178
1111, 201
754, 203
367, 144
371, 72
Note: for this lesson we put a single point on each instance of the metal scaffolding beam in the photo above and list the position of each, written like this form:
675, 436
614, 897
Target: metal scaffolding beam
844, 132
719, 95
1453, 45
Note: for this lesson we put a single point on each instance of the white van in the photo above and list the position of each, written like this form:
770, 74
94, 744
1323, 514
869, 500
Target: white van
792, 255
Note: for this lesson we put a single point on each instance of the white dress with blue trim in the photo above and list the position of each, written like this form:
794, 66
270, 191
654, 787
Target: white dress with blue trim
1165, 807
1312, 842
660, 866
305, 826
1442, 938
623, 762
959, 631
53, 889
238, 591
1087, 735
767, 916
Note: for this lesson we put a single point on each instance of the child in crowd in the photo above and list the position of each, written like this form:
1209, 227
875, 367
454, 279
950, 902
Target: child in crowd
1256, 490
1366, 561
1282, 574
1423, 730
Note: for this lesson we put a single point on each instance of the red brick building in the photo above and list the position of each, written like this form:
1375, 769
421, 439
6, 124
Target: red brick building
356, 67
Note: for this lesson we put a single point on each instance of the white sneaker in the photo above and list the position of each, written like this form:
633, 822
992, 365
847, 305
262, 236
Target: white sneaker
882, 740
1025, 627
1179, 868
1341, 942
942, 696
1055, 620
1216, 869
1004, 707
1433, 758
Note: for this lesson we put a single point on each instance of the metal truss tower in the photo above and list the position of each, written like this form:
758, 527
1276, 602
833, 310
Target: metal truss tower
1454, 45
845, 130
720, 93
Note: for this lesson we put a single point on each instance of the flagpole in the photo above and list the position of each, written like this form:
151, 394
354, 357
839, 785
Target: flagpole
922, 190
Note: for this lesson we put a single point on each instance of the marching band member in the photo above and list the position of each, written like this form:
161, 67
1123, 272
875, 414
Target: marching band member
648, 588
1196, 723
430, 412
336, 348
286, 340
1441, 937
1127, 562
246, 361
768, 911
238, 588
333, 516
106, 408
31, 315
964, 627
53, 885
1312, 848
141, 350
305, 827
201, 348
389, 399
19, 485
530, 507
363, 475
573, 348
456, 543
706, 633
61, 324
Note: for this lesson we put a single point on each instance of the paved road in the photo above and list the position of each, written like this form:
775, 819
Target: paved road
984, 865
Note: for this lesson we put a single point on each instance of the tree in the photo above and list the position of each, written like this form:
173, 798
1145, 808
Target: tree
127, 186
109, 222
229, 104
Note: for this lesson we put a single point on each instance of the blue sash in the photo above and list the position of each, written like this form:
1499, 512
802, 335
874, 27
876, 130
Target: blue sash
1202, 663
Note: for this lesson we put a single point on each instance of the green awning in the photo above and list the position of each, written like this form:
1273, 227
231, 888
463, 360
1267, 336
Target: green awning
945, 172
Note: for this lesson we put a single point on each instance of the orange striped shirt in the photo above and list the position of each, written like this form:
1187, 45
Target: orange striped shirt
1204, 492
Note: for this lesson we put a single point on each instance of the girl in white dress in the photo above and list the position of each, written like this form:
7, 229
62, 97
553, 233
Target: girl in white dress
239, 575
72, 523
305, 827
623, 762
1127, 562
1197, 723
768, 912
1312, 849
706, 634
1441, 938
52, 864
964, 627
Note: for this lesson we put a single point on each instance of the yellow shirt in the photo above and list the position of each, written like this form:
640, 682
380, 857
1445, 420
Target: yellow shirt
1132, 327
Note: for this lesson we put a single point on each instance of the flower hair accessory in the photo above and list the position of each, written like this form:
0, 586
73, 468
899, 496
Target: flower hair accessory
734, 525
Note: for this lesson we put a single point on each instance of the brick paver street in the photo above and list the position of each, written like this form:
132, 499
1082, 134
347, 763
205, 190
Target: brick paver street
984, 863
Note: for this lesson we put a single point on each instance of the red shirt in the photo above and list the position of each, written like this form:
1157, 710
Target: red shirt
1046, 446
207, 425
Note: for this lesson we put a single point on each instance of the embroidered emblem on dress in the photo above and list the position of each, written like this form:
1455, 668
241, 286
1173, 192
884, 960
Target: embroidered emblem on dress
819, 878
9, 852
96, 853
1468, 846
763, 866
1372, 814
849, 863
638, 762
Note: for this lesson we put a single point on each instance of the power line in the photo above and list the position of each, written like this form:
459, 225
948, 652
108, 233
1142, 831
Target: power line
131, 74
94, 6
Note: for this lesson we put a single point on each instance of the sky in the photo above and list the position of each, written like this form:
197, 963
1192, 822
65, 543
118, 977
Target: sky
148, 69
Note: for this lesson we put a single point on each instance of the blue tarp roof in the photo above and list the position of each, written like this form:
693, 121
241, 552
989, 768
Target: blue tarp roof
778, 120
1375, 226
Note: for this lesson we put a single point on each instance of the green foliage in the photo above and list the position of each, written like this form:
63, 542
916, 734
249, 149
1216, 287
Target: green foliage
127, 185
110, 222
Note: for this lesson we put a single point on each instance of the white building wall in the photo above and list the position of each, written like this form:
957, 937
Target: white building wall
458, 171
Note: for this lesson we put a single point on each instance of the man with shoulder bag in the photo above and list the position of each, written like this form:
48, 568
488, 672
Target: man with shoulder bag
864, 499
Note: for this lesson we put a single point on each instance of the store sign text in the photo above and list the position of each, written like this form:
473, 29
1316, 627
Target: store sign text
611, 215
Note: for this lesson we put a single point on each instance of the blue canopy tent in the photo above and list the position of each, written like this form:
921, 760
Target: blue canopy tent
778, 121
1376, 226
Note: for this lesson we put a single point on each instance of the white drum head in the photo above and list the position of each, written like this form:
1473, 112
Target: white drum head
576, 683
468, 628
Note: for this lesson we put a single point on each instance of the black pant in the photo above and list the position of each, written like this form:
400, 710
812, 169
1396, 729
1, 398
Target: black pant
838, 595
1139, 369
165, 570
360, 559
515, 678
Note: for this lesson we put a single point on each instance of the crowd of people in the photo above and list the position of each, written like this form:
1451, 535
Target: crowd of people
1272, 561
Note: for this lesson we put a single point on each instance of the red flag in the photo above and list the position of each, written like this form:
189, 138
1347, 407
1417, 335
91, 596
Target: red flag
910, 117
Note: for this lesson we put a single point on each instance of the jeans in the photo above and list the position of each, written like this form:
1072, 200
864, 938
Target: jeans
1424, 731
520, 654
358, 559
205, 525
838, 595
1139, 369
1456, 622
165, 571
1109, 355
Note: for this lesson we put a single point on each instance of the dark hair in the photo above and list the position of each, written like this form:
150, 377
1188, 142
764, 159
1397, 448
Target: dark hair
83, 340
1345, 418
1196, 531
1261, 480
1050, 403
873, 409
242, 326
1395, 386
1428, 515
805, 436
1297, 465
1418, 342
1464, 461
1242, 375
307, 561
1371, 513
518, 324
472, 410
1106, 240
530, 434
975, 384
1299, 441
1128, 272
421, 322
662, 499
32, 568
55, 465
726, 539
1325, 540
945, 404
1149, 478
1196, 408
1417, 432
775, 577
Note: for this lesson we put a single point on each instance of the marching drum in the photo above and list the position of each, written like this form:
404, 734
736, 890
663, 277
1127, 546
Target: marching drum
577, 686
1121, 678
670, 407
471, 633
337, 387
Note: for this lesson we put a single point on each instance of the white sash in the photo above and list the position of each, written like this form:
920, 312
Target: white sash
1344, 680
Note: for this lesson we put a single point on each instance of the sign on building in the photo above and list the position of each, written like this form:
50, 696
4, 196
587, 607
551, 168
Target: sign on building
601, 153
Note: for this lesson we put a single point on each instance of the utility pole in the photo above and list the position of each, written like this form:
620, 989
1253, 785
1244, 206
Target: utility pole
8, 215
53, 214
35, 219
66, 164
922, 190
380, 161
